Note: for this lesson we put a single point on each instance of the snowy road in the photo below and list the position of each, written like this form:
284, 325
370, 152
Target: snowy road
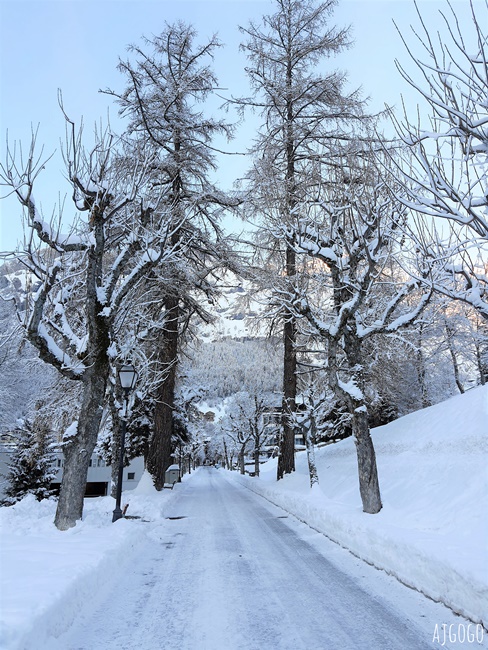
228, 571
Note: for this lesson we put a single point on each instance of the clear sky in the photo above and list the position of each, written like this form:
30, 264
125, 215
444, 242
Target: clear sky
74, 45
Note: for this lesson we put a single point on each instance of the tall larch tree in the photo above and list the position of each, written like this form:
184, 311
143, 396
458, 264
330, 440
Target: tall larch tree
302, 105
168, 82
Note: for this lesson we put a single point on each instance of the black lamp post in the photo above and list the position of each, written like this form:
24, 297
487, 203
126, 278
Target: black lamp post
127, 377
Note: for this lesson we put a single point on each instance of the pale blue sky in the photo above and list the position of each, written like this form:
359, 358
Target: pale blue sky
74, 45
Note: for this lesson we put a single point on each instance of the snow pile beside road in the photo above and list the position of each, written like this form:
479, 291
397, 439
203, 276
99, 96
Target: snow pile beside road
432, 533
48, 575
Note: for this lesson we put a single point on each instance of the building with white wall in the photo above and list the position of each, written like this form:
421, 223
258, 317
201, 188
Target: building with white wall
98, 479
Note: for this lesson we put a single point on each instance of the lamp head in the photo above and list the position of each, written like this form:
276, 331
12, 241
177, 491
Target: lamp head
127, 376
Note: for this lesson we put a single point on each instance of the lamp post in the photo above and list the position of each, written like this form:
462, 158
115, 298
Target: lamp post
127, 378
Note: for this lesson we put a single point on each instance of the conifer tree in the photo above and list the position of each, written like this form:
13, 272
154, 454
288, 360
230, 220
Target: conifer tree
32, 465
167, 84
304, 109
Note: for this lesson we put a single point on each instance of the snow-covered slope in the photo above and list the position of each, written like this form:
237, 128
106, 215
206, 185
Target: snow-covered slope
433, 530
431, 533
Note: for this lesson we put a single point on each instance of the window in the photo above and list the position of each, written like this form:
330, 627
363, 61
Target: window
271, 418
131, 476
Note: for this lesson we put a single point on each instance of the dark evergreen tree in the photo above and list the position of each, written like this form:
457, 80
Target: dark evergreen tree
32, 466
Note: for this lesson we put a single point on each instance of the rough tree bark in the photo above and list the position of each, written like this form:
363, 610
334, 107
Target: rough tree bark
286, 458
420, 368
227, 464
78, 449
312, 465
369, 486
159, 451
242, 466
450, 344
310, 436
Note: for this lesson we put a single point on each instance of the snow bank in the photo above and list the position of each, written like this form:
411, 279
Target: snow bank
432, 533
48, 575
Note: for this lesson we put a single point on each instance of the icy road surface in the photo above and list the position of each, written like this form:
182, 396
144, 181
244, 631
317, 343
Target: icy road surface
228, 571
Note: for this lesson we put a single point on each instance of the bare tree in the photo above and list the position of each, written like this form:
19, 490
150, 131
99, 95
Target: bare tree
444, 171
350, 236
252, 410
119, 234
306, 420
246, 427
240, 440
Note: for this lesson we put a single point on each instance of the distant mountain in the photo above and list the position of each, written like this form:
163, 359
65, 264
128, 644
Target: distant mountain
237, 312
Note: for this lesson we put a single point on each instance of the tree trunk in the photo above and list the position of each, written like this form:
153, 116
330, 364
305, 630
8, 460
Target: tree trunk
286, 458
256, 460
369, 487
481, 347
482, 370
421, 370
159, 449
227, 465
241, 460
452, 352
309, 435
78, 450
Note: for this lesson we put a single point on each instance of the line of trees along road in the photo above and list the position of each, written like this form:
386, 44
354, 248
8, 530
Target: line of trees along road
347, 250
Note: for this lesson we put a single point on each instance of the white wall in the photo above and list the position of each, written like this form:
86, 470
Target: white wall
97, 473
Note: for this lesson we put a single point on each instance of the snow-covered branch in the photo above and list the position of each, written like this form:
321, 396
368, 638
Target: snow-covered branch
442, 171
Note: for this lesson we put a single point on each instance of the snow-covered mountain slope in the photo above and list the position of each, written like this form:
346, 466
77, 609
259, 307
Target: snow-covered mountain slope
237, 311
24, 378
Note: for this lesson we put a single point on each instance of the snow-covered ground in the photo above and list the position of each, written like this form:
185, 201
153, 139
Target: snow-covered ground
431, 533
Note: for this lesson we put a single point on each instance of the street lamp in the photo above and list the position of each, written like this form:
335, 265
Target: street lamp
127, 378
